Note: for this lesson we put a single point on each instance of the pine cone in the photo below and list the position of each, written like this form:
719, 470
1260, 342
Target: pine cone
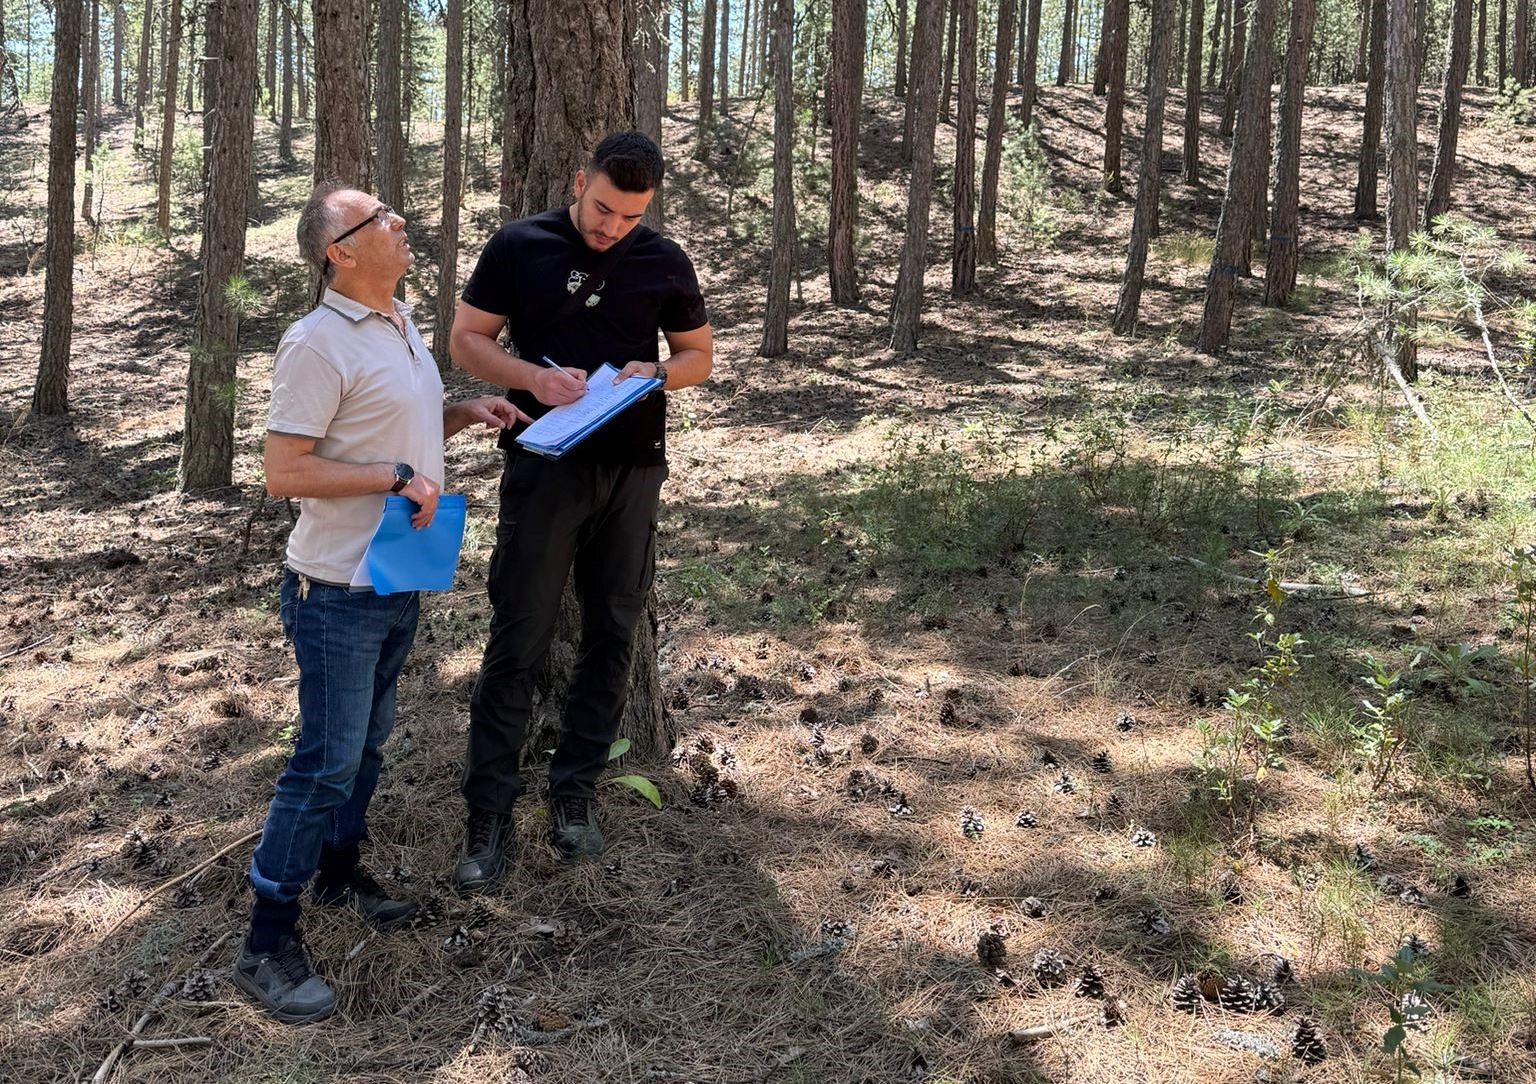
458, 940
95, 822
991, 951
1363, 857
838, 931
1049, 967
1064, 785
186, 895
1278, 968
972, 824
899, 808
140, 851
1142, 837
1090, 983
429, 913
1112, 1012
1415, 1010
1101, 762
530, 1061
1415, 945
1185, 994
495, 1008
1267, 997
868, 744
1306, 1046
1459, 887
1152, 922
1033, 906
1026, 819
1236, 995
200, 985
1125, 721
1048, 759
1410, 896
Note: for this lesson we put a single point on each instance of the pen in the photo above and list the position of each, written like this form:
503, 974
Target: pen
553, 366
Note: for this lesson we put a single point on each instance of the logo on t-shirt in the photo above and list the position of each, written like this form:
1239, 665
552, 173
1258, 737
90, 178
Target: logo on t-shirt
574, 282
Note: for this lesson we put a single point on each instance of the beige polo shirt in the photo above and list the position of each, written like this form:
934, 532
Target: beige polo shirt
346, 376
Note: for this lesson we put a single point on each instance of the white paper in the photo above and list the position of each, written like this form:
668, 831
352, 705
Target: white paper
603, 397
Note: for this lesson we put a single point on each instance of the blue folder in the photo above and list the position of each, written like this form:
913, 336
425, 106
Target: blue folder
401, 558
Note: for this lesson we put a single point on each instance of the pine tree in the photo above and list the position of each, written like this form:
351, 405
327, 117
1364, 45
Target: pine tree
341, 91
907, 303
1149, 180
1456, 59
1192, 95
780, 268
962, 280
50, 395
1370, 139
1280, 270
845, 93
997, 123
453, 181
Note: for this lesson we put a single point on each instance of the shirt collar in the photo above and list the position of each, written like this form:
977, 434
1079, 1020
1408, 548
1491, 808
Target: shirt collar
356, 311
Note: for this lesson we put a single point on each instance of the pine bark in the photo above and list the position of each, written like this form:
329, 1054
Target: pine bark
516, 112
775, 339
50, 395
90, 81
650, 90
168, 118
749, 11
1521, 59
119, 31
685, 53
1368, 174
1149, 180
1192, 95
907, 300
1243, 174
1064, 64
723, 67
453, 179
1280, 268
208, 446
1235, 59
997, 124
269, 83
302, 62
1029, 90
962, 277
1456, 60
845, 94
285, 114
1362, 59
141, 83
1401, 133
389, 148
1215, 76
1117, 17
949, 61
901, 48
341, 91
1482, 43
706, 80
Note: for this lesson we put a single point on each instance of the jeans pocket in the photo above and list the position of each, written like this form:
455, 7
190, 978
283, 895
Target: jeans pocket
288, 607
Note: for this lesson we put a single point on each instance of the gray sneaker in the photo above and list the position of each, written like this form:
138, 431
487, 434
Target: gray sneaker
361, 891
573, 827
284, 983
483, 858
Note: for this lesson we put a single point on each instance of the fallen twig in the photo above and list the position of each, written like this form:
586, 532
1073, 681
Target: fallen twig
1474, 300
26, 647
1290, 587
190, 1040
194, 871
405, 1010
531, 1037
1045, 1031
166, 991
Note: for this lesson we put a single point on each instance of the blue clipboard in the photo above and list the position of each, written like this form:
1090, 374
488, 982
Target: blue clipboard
401, 558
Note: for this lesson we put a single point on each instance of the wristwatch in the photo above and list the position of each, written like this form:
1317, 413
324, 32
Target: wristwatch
661, 373
404, 472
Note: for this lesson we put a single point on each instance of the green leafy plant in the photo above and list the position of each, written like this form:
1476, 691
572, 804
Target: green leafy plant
1254, 728
1403, 974
1460, 669
1379, 731
637, 783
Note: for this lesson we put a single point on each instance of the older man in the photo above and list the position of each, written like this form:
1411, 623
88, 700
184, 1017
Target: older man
357, 413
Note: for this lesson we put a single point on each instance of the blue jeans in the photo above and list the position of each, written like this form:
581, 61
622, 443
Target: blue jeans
350, 645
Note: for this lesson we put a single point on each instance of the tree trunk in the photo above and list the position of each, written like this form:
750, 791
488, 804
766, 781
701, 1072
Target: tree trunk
453, 180
723, 95
650, 89
119, 31
1192, 95
997, 124
582, 90
1280, 270
1258, 219
962, 275
1456, 60
1522, 50
208, 447
901, 48
685, 54
1214, 75
706, 80
1235, 56
1503, 43
907, 300
516, 113
168, 118
1029, 90
1370, 140
302, 61
341, 91
845, 95
1117, 25
1064, 65
1362, 53
1101, 54
270, 81
1149, 181
1482, 43
285, 117
51, 393
781, 265
743, 63
209, 70
1401, 134
949, 61
389, 151
91, 86
141, 83
1243, 173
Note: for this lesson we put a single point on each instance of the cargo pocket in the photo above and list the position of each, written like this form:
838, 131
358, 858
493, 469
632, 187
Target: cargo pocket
648, 563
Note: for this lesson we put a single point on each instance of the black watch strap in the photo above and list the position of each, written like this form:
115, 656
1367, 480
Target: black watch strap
404, 472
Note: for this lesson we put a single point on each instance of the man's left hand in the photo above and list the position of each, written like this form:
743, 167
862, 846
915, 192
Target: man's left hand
492, 411
646, 369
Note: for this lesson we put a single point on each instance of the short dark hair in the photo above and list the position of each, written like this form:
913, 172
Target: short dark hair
631, 160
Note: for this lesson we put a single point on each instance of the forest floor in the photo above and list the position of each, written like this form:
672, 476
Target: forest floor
892, 590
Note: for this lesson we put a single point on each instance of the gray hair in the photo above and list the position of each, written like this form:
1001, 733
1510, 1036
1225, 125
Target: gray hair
318, 223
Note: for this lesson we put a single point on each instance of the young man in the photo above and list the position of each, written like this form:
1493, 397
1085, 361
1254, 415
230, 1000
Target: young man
595, 506
357, 414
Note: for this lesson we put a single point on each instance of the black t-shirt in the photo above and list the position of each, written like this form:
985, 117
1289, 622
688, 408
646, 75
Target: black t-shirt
527, 271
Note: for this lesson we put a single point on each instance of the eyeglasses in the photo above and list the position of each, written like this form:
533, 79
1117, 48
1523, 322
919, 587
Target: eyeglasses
381, 214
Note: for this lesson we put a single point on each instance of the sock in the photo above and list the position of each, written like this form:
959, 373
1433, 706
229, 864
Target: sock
337, 863
271, 922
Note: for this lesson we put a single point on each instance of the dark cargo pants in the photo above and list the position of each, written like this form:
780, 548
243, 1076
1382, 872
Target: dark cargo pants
554, 513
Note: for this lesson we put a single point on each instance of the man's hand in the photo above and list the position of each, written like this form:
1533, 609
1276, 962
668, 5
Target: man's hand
636, 368
556, 387
492, 411
424, 491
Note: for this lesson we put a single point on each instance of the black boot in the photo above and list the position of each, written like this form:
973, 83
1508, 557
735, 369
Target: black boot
573, 827
283, 981
483, 858
357, 888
